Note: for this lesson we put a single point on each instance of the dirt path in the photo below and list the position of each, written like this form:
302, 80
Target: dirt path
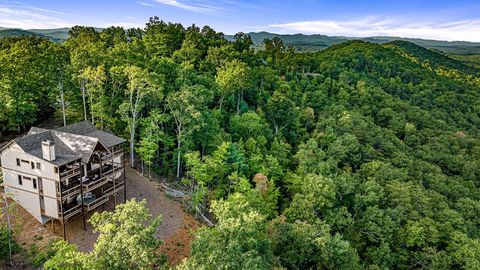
176, 230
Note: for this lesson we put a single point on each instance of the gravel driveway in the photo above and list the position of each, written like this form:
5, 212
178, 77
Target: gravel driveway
140, 188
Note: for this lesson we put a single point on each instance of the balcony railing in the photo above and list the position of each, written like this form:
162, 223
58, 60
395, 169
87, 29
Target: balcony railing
69, 173
71, 211
108, 156
71, 191
90, 206
109, 191
93, 184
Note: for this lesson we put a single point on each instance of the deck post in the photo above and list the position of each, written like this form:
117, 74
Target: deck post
81, 195
124, 179
64, 231
61, 207
101, 166
113, 178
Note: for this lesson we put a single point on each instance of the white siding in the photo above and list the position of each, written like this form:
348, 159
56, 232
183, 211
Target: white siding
29, 201
26, 195
49, 188
9, 161
51, 207
11, 179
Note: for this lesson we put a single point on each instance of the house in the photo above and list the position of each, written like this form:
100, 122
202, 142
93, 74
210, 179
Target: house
57, 174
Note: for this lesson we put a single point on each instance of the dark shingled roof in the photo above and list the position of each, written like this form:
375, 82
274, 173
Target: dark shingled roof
36, 130
87, 129
32, 142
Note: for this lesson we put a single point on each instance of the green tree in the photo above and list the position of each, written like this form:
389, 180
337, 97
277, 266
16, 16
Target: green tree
185, 109
233, 78
238, 241
126, 240
140, 84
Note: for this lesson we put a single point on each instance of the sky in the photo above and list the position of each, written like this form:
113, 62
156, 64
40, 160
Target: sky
430, 19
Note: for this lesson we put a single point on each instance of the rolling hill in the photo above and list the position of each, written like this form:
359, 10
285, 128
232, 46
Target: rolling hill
467, 52
320, 42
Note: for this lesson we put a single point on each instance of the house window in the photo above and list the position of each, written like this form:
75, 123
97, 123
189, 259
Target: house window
20, 180
55, 169
38, 165
33, 165
18, 162
34, 181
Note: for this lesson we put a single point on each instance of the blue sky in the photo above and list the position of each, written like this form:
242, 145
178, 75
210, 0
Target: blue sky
440, 19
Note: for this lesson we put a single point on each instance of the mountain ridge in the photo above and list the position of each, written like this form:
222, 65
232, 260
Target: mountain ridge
302, 42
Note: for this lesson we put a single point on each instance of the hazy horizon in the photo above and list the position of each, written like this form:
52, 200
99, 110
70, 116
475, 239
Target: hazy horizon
436, 20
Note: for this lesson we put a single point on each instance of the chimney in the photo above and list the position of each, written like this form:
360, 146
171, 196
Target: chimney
48, 150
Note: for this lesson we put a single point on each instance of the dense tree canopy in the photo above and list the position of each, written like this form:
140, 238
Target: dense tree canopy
358, 156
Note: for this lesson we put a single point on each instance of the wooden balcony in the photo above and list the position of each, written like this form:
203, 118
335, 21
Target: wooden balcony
91, 206
70, 173
94, 184
72, 191
110, 191
109, 156
71, 212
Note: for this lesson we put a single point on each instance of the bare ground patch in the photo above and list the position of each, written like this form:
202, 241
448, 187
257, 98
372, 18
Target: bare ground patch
176, 230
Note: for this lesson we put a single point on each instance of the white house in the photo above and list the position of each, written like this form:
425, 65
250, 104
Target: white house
57, 174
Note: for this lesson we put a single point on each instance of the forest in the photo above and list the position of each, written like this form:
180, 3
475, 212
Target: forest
359, 156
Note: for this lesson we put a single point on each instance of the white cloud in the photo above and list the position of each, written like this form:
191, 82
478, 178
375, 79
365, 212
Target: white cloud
145, 4
194, 6
27, 17
466, 30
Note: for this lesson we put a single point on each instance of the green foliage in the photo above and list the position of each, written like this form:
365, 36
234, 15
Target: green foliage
363, 154
5, 234
126, 241
239, 240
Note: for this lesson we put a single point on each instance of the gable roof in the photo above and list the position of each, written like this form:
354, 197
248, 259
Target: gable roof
32, 144
87, 129
71, 142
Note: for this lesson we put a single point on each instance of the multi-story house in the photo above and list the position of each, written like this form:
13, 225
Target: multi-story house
57, 174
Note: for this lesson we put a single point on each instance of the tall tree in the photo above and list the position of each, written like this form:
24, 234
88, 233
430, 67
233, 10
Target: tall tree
140, 84
185, 109
233, 78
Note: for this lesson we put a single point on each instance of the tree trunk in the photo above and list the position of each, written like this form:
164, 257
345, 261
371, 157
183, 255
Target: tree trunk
82, 87
62, 100
221, 102
91, 110
9, 230
132, 145
178, 159
238, 102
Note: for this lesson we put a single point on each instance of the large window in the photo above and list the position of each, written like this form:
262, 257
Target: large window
33, 165
20, 180
38, 166
18, 162
34, 181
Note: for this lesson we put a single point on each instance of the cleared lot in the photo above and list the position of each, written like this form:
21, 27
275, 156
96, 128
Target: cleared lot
176, 230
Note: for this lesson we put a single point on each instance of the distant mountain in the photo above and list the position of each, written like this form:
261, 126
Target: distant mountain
319, 42
467, 52
56, 35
